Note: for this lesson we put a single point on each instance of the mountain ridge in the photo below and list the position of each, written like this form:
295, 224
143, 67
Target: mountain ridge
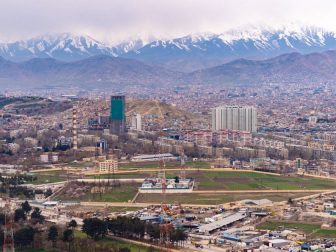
104, 71
287, 68
187, 53
96, 71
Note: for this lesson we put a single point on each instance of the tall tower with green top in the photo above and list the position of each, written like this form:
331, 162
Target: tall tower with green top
117, 114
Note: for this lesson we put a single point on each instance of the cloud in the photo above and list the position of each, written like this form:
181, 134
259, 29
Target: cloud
114, 20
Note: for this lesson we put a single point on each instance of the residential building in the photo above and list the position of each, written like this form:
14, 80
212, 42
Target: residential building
242, 118
136, 122
110, 166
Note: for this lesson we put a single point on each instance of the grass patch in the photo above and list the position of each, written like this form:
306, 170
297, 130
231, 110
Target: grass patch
110, 242
312, 230
239, 180
49, 177
122, 193
275, 225
325, 233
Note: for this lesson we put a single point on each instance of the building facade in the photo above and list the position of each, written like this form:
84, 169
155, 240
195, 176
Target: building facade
108, 166
243, 118
117, 115
136, 122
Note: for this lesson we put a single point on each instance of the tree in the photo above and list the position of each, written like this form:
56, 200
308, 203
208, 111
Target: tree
72, 224
37, 216
177, 179
95, 228
153, 230
19, 214
124, 250
179, 236
26, 207
52, 235
68, 237
24, 237
48, 192
2, 218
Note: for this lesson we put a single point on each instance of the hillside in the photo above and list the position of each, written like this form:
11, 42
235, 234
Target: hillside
287, 68
105, 72
94, 72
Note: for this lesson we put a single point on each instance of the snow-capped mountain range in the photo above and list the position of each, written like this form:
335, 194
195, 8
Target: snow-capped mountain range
184, 54
65, 46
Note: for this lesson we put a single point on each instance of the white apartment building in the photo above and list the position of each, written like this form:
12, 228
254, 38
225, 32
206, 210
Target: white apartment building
243, 118
136, 122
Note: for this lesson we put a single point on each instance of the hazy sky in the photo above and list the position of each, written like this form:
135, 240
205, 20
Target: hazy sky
114, 20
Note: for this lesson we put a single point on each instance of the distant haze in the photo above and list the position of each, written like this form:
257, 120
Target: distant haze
115, 20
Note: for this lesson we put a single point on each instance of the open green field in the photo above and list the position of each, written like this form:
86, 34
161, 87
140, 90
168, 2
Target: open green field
122, 193
49, 177
312, 230
215, 198
111, 242
237, 180
205, 180
240, 180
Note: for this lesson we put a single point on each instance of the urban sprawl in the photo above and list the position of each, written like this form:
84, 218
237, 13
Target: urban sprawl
187, 168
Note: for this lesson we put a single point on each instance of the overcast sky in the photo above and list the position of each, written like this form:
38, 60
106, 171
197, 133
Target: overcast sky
114, 20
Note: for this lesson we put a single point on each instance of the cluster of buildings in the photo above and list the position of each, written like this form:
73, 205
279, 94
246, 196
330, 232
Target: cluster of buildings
116, 120
160, 184
218, 137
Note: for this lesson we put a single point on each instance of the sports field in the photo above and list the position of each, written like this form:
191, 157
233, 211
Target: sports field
209, 180
237, 180
241, 180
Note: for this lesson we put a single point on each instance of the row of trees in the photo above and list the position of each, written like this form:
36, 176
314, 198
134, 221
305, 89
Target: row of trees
21, 214
133, 228
32, 235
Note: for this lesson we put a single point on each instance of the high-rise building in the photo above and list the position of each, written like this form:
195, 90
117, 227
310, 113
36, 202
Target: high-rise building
136, 122
74, 128
117, 115
242, 118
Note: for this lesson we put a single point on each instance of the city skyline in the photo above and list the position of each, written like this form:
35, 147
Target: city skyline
211, 128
